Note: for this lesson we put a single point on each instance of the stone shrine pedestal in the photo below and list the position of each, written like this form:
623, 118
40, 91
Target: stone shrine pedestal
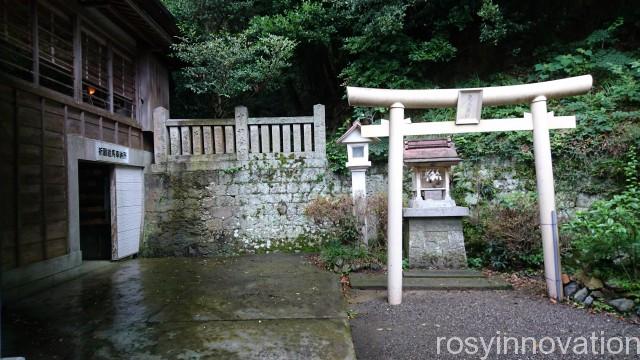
433, 237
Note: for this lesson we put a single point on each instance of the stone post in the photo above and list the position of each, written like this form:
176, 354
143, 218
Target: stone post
160, 136
242, 133
319, 130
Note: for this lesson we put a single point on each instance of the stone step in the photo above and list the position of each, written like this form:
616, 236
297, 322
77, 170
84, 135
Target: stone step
460, 273
379, 282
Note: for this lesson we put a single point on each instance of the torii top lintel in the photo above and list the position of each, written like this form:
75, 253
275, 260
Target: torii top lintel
498, 95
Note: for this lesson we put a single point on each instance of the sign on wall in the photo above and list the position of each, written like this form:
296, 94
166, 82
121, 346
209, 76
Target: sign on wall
111, 153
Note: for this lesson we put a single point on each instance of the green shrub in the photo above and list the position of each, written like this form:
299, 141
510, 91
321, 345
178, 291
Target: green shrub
343, 258
504, 233
339, 230
335, 218
605, 240
377, 213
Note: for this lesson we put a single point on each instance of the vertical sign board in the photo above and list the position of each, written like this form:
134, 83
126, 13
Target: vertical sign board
129, 203
469, 107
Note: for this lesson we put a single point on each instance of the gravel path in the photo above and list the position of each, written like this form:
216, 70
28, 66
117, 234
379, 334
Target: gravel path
411, 330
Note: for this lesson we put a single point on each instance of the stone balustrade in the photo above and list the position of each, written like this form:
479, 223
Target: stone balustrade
239, 138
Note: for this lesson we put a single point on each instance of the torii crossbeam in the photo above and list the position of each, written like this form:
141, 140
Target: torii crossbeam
469, 103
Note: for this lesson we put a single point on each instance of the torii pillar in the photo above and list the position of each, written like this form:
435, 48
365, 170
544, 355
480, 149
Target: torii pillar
469, 103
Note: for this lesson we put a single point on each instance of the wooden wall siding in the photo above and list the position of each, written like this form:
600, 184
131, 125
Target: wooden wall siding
94, 126
8, 183
153, 89
61, 47
16, 39
34, 206
95, 71
124, 85
33, 181
55, 50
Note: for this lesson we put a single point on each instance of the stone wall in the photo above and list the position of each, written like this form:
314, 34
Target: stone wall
495, 178
248, 197
230, 207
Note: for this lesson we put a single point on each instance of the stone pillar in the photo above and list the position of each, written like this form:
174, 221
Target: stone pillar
319, 130
242, 133
160, 136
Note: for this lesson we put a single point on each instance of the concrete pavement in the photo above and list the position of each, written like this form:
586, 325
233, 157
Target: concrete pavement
251, 307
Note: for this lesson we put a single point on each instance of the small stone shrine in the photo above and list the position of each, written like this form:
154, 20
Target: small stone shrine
433, 223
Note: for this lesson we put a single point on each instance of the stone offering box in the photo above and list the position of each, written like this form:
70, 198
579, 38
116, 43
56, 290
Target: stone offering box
433, 235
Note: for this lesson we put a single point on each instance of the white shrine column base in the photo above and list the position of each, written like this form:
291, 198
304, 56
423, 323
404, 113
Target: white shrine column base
546, 194
394, 229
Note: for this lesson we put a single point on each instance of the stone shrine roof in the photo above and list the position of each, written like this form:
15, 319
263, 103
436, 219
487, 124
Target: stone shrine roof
431, 152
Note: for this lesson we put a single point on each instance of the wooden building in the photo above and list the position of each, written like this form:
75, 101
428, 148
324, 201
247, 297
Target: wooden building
79, 80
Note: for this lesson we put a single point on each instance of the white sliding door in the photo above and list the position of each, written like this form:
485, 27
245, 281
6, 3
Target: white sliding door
128, 203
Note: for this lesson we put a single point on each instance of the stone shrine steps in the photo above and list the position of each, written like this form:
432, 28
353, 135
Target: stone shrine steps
419, 273
431, 280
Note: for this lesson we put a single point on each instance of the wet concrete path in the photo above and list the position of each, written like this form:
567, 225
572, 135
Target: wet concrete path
252, 307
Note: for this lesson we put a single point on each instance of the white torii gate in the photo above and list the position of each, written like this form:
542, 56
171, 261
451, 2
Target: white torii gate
469, 103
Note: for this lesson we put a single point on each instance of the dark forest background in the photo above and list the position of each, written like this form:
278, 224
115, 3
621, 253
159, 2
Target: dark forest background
281, 57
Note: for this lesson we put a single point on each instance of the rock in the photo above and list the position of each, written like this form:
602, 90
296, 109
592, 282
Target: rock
588, 301
570, 289
638, 311
586, 200
565, 279
613, 286
581, 277
581, 295
597, 294
594, 284
375, 266
622, 304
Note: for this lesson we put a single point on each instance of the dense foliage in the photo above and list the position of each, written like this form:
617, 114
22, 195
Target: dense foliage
606, 238
326, 44
503, 234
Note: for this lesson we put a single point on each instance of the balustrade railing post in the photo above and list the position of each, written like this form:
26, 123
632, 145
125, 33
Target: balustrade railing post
242, 132
160, 136
319, 130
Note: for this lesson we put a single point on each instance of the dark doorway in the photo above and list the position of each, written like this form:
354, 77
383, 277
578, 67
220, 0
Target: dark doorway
95, 210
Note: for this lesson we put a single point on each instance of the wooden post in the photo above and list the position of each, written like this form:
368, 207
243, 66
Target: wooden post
43, 187
117, 130
77, 60
160, 136
110, 78
35, 46
16, 179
